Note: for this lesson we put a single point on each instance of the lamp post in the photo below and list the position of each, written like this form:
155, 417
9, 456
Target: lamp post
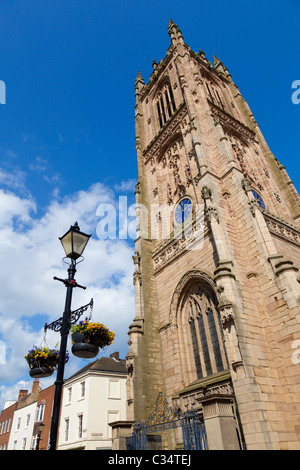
40, 430
74, 243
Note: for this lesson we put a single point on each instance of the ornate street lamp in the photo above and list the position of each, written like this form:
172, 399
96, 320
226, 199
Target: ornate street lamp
40, 430
74, 242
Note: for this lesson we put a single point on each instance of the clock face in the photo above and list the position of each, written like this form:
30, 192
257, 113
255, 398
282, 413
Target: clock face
259, 199
183, 210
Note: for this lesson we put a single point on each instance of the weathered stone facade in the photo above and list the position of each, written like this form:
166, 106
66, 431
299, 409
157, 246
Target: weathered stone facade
217, 307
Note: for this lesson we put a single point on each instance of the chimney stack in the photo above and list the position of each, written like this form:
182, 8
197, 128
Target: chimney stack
22, 395
35, 385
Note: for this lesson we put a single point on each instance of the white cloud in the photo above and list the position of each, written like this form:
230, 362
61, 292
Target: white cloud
31, 254
13, 209
10, 393
39, 164
125, 186
13, 179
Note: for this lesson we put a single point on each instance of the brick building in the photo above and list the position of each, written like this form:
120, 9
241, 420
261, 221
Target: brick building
20, 420
43, 415
216, 261
97, 393
6, 418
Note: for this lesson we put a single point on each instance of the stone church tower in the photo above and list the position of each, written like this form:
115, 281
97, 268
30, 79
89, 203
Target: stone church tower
217, 321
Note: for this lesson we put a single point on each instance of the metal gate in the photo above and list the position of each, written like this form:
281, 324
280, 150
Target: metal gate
147, 435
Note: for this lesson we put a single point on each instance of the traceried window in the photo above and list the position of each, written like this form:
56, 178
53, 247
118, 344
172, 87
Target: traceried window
215, 95
259, 199
203, 332
165, 104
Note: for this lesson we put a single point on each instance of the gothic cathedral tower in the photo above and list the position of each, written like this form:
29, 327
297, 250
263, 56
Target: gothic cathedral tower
217, 321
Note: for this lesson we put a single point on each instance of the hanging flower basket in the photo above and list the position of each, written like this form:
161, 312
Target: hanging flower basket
88, 338
42, 361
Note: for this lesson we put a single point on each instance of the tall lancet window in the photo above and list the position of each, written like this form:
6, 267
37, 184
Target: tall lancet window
165, 104
203, 334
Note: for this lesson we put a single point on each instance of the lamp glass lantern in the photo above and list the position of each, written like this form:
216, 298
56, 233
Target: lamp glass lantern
40, 428
74, 242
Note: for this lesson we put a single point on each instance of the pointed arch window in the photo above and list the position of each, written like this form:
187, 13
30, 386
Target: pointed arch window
259, 199
165, 104
215, 96
203, 339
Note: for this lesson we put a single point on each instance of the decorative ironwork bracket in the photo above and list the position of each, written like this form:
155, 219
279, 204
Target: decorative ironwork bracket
69, 282
73, 318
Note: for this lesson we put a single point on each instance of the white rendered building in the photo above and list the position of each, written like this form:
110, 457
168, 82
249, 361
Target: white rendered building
24, 418
22, 428
92, 398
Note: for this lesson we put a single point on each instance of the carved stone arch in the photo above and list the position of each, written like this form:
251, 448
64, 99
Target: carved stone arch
216, 91
165, 80
212, 79
170, 168
195, 275
176, 138
163, 100
195, 316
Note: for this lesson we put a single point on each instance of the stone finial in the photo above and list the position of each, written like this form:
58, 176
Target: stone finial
174, 32
218, 65
139, 82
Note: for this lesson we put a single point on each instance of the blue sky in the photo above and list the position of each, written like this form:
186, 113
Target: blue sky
67, 138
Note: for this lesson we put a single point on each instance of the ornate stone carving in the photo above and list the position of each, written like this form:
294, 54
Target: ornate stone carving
188, 175
253, 205
175, 246
206, 193
197, 179
282, 229
129, 366
239, 154
232, 123
210, 212
171, 128
194, 399
226, 313
137, 276
277, 198
246, 185
191, 154
169, 194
